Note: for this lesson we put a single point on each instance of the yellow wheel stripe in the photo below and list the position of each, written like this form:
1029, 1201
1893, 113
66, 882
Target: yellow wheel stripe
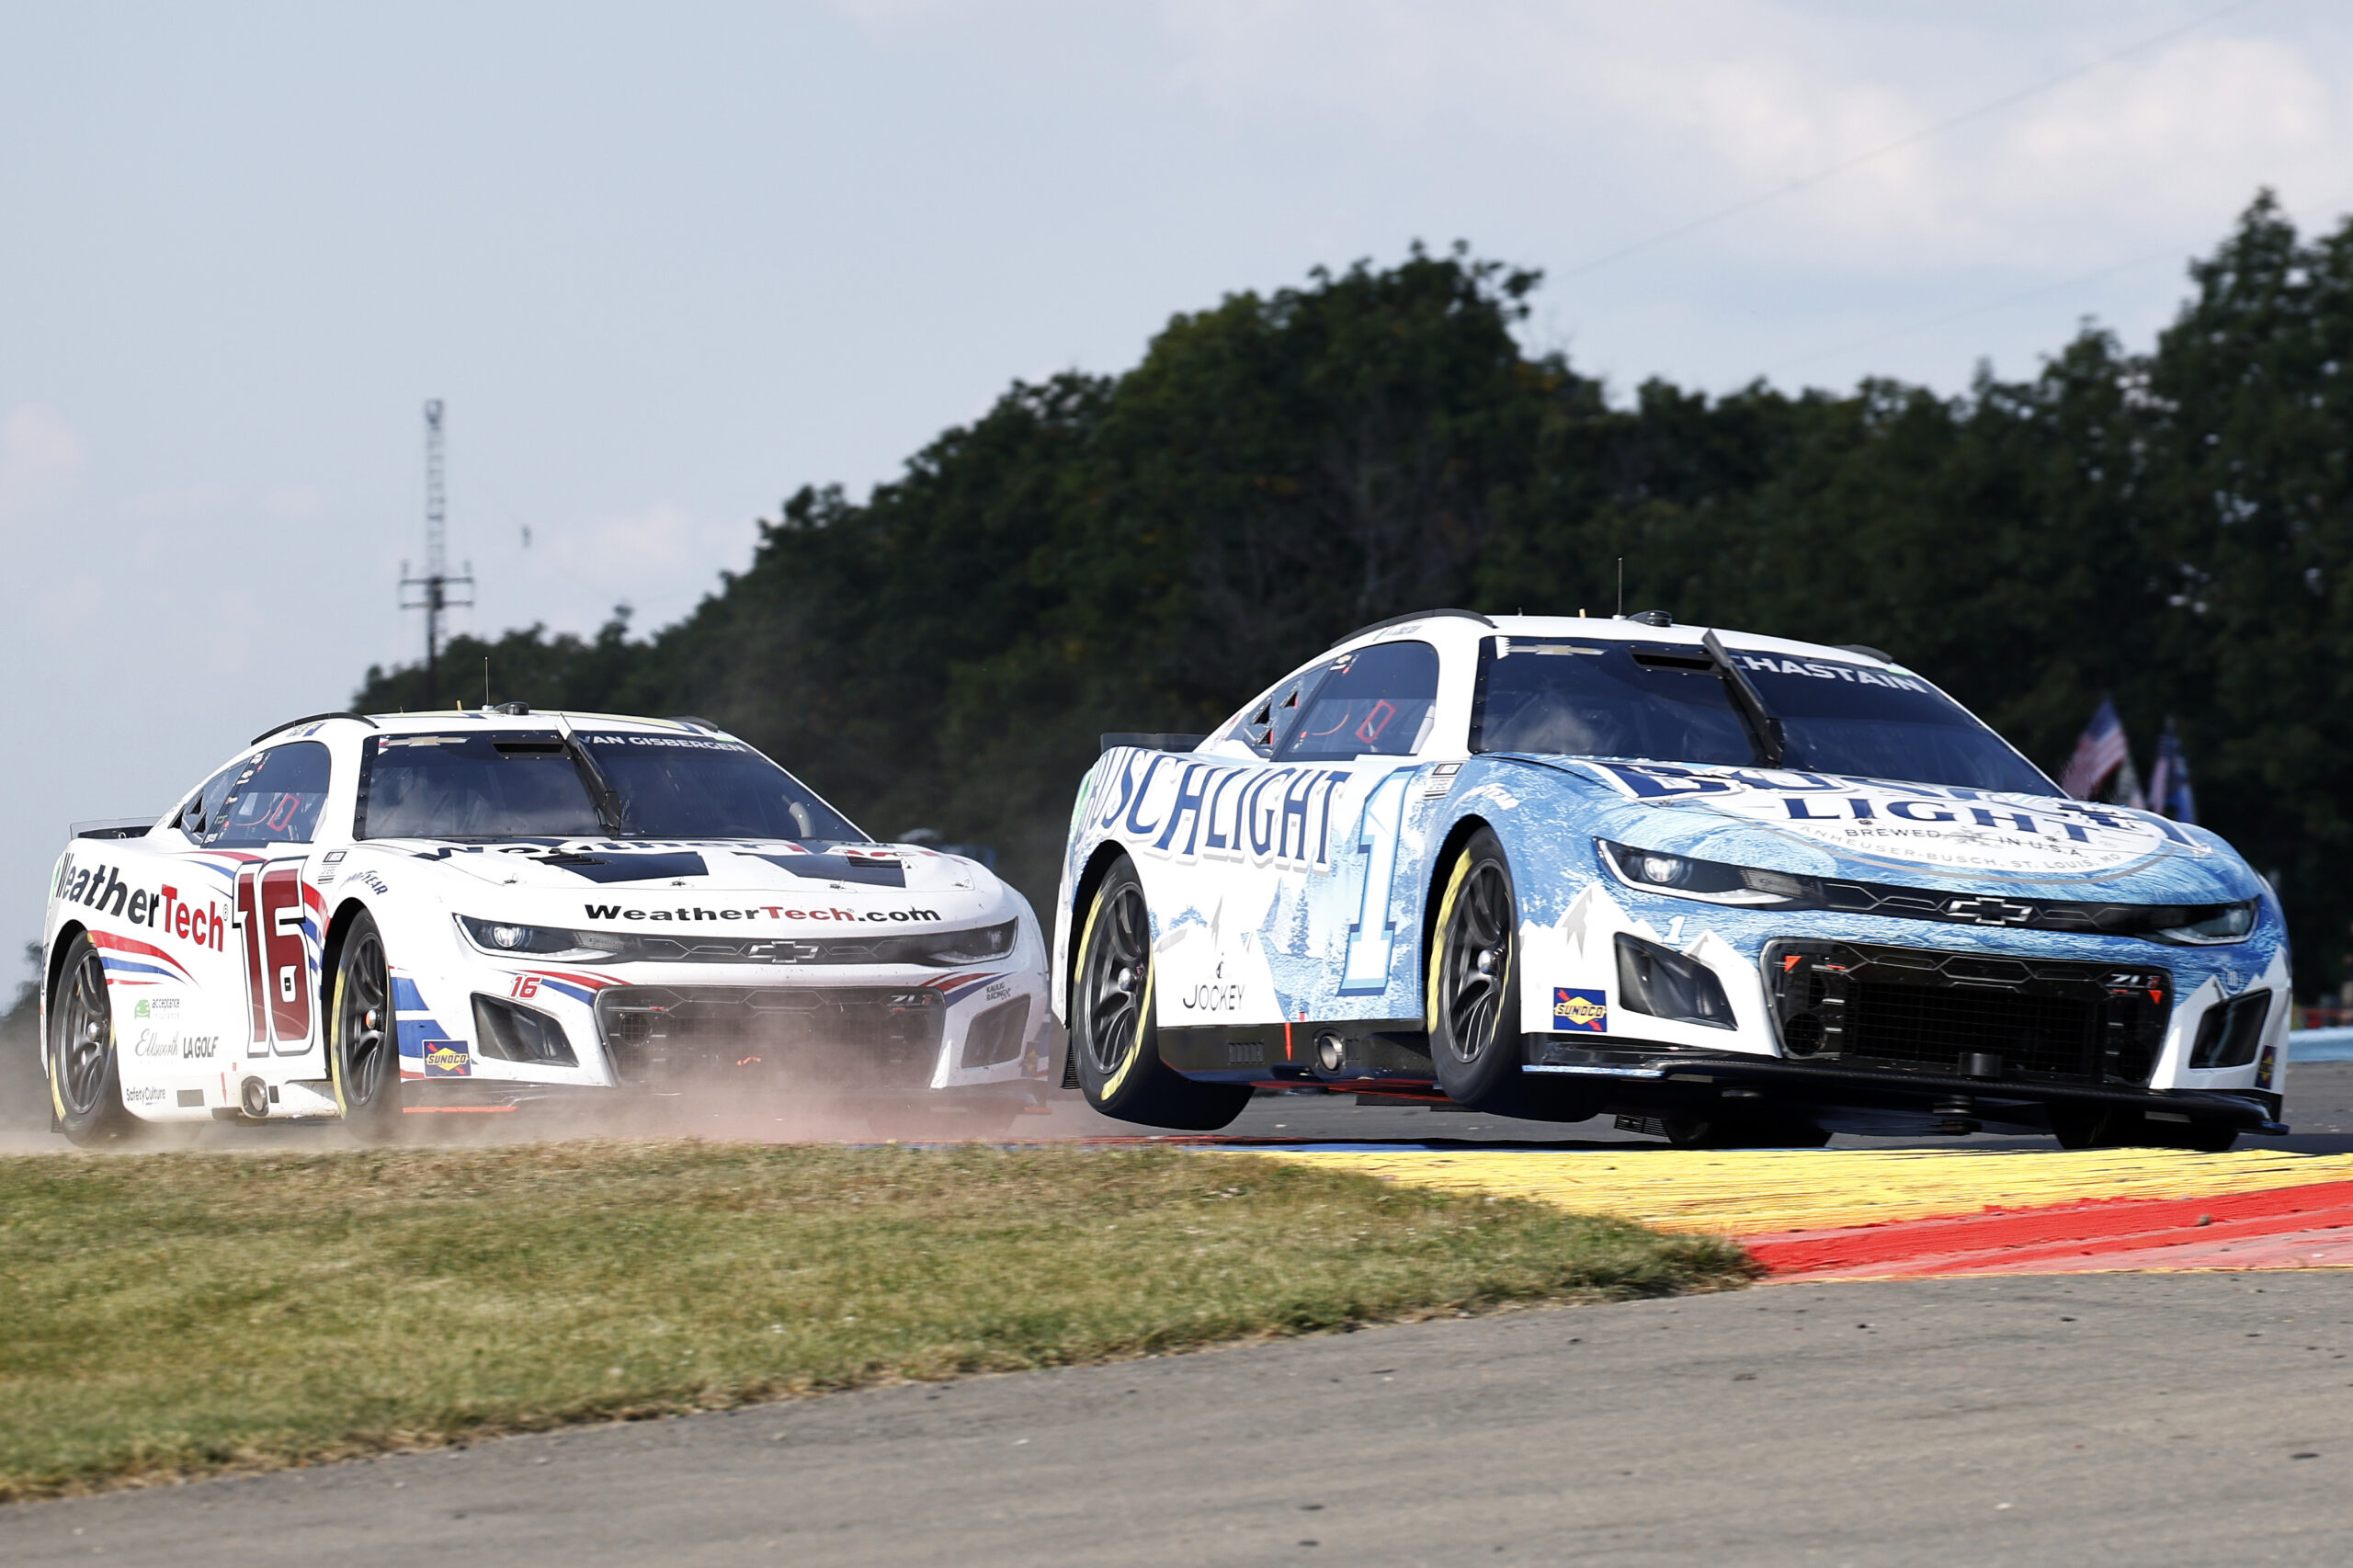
1437, 939
1144, 1019
334, 1045
1756, 1191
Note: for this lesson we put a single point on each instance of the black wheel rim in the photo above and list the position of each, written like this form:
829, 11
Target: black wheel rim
84, 1035
1478, 961
1117, 962
361, 1038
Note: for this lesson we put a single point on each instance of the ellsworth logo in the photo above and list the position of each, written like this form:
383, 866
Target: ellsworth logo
1588, 1010
443, 1059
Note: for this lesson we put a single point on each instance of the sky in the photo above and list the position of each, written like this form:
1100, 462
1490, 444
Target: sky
666, 265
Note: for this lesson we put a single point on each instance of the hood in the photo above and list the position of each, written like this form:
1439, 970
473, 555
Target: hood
1817, 824
627, 882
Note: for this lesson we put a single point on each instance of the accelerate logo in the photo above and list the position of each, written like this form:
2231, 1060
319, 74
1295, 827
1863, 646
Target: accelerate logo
1585, 1010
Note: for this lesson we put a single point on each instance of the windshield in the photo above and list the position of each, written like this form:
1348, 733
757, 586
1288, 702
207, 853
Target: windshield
696, 787
536, 784
1665, 703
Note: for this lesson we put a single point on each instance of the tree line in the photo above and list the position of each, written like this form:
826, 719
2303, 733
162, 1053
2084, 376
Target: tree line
1144, 550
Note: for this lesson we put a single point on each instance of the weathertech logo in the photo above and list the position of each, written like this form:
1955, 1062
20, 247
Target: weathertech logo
699, 916
1586, 1010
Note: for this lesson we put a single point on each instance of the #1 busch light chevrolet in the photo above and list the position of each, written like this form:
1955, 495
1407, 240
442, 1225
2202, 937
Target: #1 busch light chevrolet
359, 916
1734, 890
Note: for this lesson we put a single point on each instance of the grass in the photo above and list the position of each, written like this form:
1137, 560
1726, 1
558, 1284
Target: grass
165, 1314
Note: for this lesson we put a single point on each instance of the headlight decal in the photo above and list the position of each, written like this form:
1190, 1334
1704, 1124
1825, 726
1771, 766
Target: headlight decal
1715, 881
931, 950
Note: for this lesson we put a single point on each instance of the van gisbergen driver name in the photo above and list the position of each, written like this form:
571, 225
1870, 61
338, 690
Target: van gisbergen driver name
774, 912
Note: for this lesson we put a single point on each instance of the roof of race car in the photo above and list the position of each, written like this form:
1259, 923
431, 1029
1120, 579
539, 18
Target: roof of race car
1618, 628
494, 719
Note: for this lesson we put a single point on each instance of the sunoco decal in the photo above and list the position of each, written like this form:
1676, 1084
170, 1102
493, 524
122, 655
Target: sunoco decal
1584, 1010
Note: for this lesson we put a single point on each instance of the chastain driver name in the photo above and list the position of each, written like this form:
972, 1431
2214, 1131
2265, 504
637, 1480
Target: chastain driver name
771, 911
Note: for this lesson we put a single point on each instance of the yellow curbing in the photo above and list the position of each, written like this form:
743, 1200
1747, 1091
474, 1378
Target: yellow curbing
1754, 1191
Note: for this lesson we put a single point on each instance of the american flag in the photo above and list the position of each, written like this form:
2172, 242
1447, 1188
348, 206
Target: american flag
2100, 753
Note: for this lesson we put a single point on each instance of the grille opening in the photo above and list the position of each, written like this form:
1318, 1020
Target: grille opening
2230, 1032
510, 1033
850, 1039
1929, 1027
996, 1036
1968, 1014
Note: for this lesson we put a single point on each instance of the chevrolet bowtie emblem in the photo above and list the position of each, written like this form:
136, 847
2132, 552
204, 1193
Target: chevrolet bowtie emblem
1990, 910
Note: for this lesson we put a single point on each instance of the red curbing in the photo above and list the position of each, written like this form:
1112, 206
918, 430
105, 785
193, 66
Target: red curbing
2102, 1232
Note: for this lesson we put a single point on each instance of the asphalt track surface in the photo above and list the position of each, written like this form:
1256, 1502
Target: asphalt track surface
2152, 1419
2156, 1420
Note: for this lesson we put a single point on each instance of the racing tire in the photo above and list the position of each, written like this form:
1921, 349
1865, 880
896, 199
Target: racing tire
84, 1074
1474, 990
363, 1049
1114, 1039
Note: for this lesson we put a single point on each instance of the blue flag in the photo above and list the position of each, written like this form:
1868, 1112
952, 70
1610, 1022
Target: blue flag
2169, 781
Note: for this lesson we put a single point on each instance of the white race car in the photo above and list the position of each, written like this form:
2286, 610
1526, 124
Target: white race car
359, 916
1733, 889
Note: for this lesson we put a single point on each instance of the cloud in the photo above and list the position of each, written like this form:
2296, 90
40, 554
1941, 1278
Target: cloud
66, 605
192, 500
1640, 117
659, 558
40, 456
294, 502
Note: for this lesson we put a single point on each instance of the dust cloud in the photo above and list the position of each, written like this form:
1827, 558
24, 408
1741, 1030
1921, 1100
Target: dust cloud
775, 1111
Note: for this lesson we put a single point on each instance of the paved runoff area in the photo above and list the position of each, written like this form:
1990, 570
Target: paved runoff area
2146, 1419
1989, 1351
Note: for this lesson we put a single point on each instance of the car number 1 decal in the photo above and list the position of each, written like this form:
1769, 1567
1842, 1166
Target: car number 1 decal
1373, 936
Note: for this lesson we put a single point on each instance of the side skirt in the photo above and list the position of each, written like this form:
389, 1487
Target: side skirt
1349, 1051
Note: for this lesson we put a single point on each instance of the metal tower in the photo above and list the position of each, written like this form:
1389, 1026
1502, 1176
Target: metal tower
436, 584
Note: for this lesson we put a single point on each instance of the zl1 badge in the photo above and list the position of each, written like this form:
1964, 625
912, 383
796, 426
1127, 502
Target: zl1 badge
1586, 1010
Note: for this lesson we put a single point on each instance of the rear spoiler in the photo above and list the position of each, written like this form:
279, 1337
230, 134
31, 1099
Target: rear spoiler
114, 827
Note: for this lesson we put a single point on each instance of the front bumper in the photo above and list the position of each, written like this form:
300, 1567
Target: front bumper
1633, 1078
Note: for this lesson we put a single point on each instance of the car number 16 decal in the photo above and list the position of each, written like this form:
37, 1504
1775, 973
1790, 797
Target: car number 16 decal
1373, 936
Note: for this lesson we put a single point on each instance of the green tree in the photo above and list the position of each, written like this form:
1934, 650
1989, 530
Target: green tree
1147, 551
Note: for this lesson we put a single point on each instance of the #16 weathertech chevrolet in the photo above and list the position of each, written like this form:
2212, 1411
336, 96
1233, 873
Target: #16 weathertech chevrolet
359, 916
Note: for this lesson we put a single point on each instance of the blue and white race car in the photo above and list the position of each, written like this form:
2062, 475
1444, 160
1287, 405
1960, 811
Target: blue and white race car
360, 917
1733, 889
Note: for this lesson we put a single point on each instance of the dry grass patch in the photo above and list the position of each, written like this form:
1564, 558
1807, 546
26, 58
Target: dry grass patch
168, 1313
